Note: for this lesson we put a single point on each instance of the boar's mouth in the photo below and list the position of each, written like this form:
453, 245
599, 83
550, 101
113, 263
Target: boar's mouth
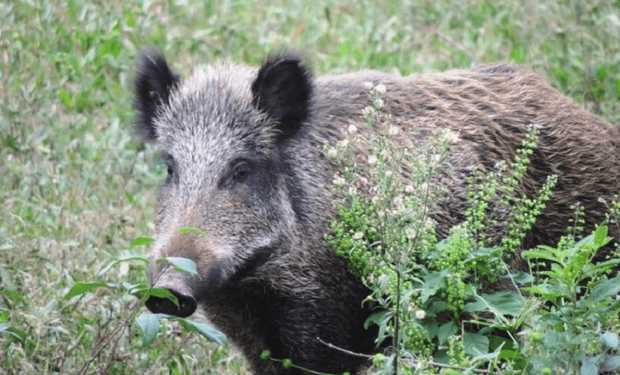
218, 277
179, 284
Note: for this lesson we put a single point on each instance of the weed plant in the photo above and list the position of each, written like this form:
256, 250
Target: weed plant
444, 306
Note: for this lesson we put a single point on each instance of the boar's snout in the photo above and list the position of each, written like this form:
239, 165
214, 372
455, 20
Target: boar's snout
187, 305
177, 284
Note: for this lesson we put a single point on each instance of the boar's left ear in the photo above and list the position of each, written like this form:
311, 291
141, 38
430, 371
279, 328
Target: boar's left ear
153, 84
282, 89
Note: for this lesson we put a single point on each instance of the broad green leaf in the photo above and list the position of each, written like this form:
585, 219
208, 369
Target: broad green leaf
207, 331
17, 333
610, 339
432, 283
588, 366
502, 303
198, 231
141, 241
379, 318
537, 254
180, 264
600, 237
81, 288
475, 343
149, 324
604, 289
446, 331
122, 260
521, 278
164, 293
610, 364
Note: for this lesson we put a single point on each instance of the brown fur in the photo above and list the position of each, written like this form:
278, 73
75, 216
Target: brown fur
245, 154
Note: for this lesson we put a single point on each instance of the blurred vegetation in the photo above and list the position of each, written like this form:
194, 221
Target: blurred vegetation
76, 186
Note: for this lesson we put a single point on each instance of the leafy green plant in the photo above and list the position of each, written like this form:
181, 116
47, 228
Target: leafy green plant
581, 305
149, 324
433, 301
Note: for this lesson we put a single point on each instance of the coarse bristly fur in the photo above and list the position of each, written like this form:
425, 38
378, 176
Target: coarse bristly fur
244, 150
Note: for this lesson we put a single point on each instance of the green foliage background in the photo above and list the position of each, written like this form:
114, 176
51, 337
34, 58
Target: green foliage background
76, 185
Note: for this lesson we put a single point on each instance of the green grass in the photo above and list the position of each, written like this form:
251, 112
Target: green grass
76, 185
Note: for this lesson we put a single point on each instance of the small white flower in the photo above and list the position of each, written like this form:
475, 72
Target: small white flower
332, 153
409, 189
388, 174
420, 314
358, 235
352, 129
344, 143
368, 85
339, 181
380, 88
451, 137
372, 160
368, 111
392, 130
380, 103
410, 233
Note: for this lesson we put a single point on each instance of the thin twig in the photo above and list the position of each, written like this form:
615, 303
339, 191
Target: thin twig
413, 361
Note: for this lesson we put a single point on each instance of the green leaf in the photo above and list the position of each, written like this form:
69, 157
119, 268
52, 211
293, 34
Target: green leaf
475, 343
180, 264
600, 237
164, 293
604, 289
446, 331
207, 331
122, 260
538, 254
149, 324
501, 303
610, 339
81, 288
432, 283
381, 319
141, 241
588, 366
610, 364
3, 327
185, 230
17, 333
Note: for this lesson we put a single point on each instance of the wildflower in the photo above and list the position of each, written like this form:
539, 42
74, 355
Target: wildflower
392, 130
332, 153
352, 129
368, 85
339, 181
409, 189
420, 314
451, 137
388, 174
372, 160
344, 143
380, 88
358, 235
380, 104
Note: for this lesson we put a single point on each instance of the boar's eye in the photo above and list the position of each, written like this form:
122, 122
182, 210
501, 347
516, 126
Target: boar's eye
241, 171
169, 160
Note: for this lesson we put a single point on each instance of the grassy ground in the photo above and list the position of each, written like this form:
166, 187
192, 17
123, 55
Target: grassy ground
76, 186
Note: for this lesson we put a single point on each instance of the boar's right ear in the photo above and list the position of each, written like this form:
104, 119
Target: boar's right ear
283, 89
153, 84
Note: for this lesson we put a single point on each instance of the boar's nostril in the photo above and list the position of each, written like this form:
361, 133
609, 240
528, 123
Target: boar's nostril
187, 305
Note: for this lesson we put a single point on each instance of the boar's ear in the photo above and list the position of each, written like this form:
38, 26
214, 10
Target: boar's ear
282, 89
153, 84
